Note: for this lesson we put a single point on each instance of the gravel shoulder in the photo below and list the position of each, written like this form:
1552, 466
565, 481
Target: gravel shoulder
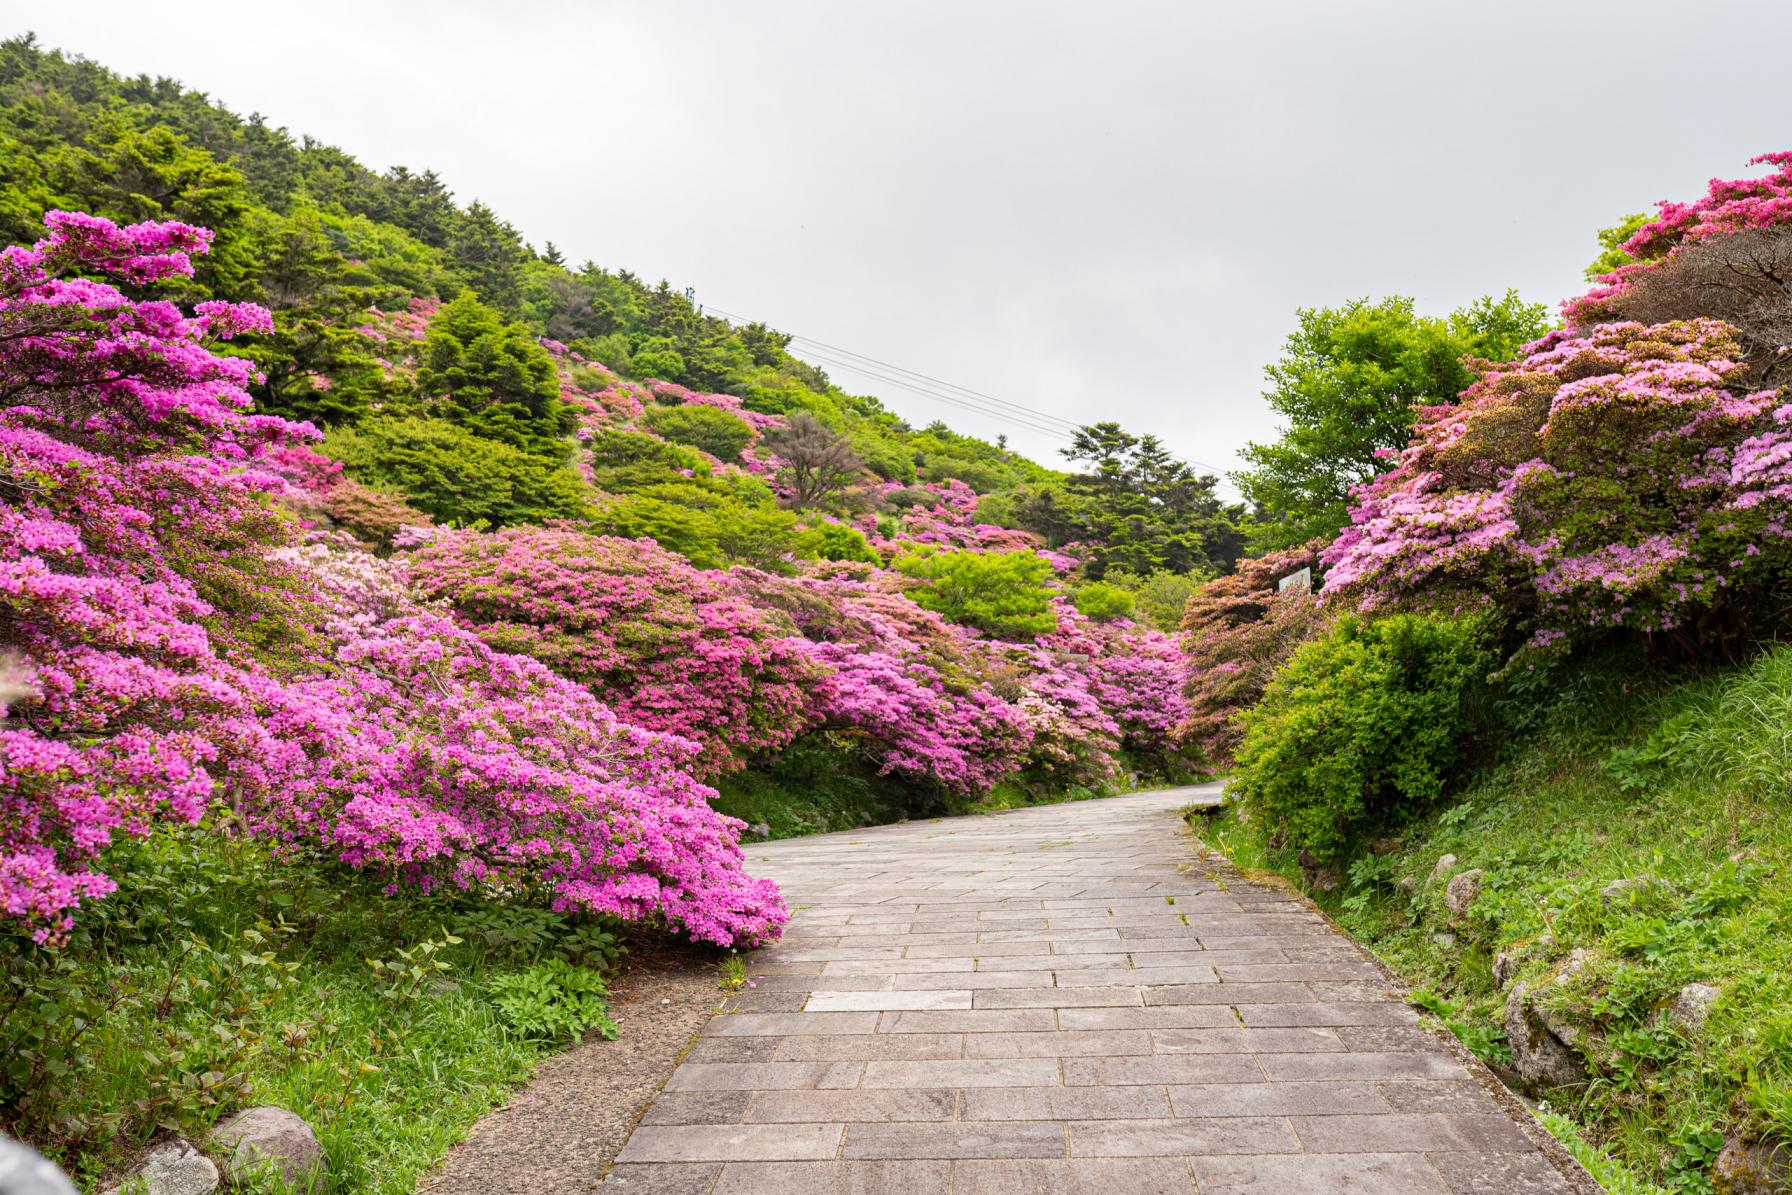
559, 1134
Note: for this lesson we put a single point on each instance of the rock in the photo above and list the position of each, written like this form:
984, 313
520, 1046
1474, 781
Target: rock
171, 1168
24, 1171
1505, 966
268, 1136
1323, 878
1624, 891
1751, 1169
1542, 1060
1462, 890
1445, 938
1445, 865
759, 830
1692, 1007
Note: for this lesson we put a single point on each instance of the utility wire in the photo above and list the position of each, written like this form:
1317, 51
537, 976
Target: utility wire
938, 389
976, 396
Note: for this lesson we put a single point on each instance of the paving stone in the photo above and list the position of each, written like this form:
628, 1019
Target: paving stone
1073, 1176
1163, 1068
735, 1049
1497, 1173
989, 1139
1438, 1095
994, 1020
1173, 1138
1092, 997
790, 1024
1244, 1041
851, 1106
1362, 1066
1320, 1174
1271, 1016
864, 1047
762, 1076
975, 980
831, 1001
1187, 1016
663, 1178
835, 1178
1277, 1099
1056, 1045
1063, 1103
963, 1072
1394, 1039
731, 1143
1230, 993
1409, 1132
698, 1107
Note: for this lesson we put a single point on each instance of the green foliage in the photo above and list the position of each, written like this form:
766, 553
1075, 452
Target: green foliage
1102, 601
712, 429
223, 975
553, 1001
1344, 389
1611, 245
1360, 728
1161, 596
837, 541
492, 378
1136, 507
1007, 594
458, 477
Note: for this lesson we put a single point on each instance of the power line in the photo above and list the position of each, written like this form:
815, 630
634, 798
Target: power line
974, 395
927, 386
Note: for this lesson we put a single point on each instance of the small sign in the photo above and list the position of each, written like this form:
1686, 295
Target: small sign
1301, 582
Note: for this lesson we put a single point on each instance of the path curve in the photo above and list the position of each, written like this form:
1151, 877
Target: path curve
1068, 999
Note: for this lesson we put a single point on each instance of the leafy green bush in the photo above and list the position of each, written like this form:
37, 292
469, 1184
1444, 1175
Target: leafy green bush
1103, 602
456, 476
1002, 593
1361, 726
837, 541
1161, 596
712, 429
553, 1000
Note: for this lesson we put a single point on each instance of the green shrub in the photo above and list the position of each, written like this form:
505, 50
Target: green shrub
712, 429
1161, 596
1002, 593
456, 476
1360, 727
837, 541
1103, 602
553, 1001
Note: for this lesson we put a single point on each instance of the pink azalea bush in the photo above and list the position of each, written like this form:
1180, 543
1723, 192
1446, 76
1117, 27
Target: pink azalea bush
167, 645
1621, 476
669, 647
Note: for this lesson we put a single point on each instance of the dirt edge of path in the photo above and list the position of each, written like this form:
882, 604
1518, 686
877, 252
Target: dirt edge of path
559, 1133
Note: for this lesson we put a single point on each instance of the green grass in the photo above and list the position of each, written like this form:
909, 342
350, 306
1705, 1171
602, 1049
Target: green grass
219, 977
1685, 778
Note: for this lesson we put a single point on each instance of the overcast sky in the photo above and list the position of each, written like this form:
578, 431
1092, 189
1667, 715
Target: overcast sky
1099, 210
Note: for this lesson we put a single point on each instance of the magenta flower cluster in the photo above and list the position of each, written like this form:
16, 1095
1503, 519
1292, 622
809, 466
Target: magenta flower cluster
1621, 476
167, 647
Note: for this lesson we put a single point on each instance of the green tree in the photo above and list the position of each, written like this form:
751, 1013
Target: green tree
1611, 245
712, 429
458, 477
1345, 388
489, 253
492, 378
1002, 593
1139, 508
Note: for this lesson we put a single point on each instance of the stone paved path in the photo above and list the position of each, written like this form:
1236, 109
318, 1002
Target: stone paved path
1068, 999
